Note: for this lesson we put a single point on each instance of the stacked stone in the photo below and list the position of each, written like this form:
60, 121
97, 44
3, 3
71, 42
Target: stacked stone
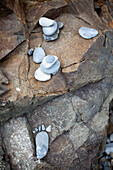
50, 28
49, 66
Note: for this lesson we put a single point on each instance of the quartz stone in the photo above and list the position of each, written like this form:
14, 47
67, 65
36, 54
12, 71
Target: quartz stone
42, 142
87, 33
38, 55
41, 76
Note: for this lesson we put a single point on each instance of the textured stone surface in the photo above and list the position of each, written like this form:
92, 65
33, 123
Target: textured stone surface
18, 143
11, 34
75, 101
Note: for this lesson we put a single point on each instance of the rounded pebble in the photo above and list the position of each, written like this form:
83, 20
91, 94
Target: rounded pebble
52, 37
41, 76
50, 30
30, 52
87, 33
38, 55
49, 60
46, 22
52, 69
42, 142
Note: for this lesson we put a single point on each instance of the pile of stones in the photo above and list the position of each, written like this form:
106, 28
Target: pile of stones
50, 28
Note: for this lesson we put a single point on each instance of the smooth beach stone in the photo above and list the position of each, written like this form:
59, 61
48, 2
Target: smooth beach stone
41, 76
42, 142
49, 60
38, 55
43, 127
30, 52
60, 25
46, 22
50, 30
109, 148
48, 129
111, 137
52, 37
87, 33
52, 69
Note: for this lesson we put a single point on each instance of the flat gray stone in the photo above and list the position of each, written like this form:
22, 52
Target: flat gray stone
41, 76
42, 142
87, 33
50, 30
49, 61
38, 55
52, 69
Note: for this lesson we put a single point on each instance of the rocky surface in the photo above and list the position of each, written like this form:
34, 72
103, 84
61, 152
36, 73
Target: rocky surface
75, 101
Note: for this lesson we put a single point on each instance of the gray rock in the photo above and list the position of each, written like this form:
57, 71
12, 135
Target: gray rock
42, 142
38, 55
30, 52
51, 29
111, 137
43, 127
52, 37
87, 33
49, 60
109, 148
52, 69
60, 25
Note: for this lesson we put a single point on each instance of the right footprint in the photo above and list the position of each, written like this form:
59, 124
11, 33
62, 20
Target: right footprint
42, 141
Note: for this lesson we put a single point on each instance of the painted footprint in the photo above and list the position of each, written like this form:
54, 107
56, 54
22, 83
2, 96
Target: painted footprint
42, 141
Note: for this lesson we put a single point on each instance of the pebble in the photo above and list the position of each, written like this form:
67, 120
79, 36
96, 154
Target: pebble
109, 148
51, 29
108, 140
60, 25
42, 142
38, 55
49, 60
87, 33
52, 69
111, 137
39, 128
41, 76
43, 127
30, 52
52, 37
48, 129
46, 22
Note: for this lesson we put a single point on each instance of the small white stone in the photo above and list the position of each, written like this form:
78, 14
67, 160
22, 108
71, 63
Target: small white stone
36, 129
18, 89
43, 127
48, 129
87, 33
111, 137
46, 63
46, 22
39, 128
41, 76
30, 52
108, 141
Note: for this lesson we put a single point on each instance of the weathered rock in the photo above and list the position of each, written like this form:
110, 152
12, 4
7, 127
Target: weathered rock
11, 34
18, 143
3, 81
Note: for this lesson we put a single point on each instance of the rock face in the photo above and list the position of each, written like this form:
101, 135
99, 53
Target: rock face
75, 101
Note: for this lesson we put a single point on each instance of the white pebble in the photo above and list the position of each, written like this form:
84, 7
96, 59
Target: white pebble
49, 60
87, 33
46, 22
41, 76
48, 129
